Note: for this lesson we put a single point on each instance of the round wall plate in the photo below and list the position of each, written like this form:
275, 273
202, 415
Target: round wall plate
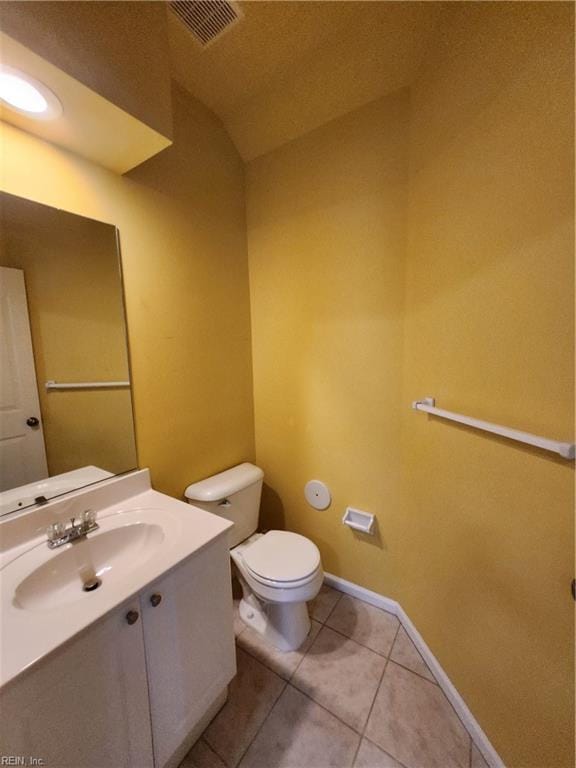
317, 494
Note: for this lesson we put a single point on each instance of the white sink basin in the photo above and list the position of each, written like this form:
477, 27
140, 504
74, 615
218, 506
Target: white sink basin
102, 558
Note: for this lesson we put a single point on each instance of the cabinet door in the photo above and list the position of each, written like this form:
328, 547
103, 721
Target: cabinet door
189, 641
85, 705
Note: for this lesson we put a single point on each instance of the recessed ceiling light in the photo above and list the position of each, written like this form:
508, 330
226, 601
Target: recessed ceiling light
25, 95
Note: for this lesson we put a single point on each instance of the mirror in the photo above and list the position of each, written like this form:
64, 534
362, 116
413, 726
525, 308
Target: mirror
66, 417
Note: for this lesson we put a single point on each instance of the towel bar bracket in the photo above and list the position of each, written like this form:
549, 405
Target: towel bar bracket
429, 401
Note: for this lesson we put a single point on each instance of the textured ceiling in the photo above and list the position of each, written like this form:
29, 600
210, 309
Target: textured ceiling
289, 67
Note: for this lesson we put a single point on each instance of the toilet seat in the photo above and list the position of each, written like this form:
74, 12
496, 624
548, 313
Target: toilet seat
285, 585
282, 558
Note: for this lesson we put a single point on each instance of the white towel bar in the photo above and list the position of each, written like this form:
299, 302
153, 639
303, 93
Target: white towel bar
85, 385
566, 450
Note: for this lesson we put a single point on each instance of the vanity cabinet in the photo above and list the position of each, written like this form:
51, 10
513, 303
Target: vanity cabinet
131, 690
86, 705
189, 642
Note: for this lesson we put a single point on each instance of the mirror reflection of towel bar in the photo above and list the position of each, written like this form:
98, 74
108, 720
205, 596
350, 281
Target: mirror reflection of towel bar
85, 385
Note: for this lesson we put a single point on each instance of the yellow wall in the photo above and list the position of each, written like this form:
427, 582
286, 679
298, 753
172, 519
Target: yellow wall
327, 242
476, 534
182, 234
488, 546
73, 284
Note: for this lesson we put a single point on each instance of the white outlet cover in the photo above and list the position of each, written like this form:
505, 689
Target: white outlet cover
317, 494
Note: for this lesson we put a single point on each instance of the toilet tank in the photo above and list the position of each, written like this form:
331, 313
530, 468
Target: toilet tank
233, 494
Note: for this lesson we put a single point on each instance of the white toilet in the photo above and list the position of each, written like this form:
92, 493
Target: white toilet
279, 571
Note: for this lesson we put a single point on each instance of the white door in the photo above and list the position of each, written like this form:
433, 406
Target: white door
189, 641
22, 451
86, 704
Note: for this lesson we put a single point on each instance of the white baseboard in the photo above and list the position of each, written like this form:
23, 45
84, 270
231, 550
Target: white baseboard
362, 593
392, 606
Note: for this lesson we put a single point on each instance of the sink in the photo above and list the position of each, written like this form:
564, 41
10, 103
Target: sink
82, 568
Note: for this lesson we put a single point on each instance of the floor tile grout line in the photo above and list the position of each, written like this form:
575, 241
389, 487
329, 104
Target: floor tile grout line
362, 645
294, 685
388, 658
320, 621
384, 655
383, 610
340, 595
452, 707
259, 727
205, 740
253, 739
427, 679
297, 667
325, 708
417, 651
218, 755
268, 664
262, 661
342, 634
289, 682
385, 752
443, 694
374, 698
411, 671
324, 623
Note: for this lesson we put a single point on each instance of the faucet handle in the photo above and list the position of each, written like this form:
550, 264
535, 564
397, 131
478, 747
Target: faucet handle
55, 531
88, 517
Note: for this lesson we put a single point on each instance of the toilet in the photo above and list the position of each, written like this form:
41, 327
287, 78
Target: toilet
279, 571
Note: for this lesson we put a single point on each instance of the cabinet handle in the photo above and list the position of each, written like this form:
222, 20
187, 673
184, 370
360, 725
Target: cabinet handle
155, 599
132, 617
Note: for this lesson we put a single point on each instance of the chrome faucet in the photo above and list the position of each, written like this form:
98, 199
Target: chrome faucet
60, 533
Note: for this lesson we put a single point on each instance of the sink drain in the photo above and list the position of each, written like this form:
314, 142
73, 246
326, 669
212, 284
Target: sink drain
91, 584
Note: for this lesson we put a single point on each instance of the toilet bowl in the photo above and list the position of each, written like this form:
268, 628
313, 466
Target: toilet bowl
279, 571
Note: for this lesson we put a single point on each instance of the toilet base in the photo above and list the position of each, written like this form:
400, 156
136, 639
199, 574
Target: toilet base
283, 625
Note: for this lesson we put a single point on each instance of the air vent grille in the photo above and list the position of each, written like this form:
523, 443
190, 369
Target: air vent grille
206, 19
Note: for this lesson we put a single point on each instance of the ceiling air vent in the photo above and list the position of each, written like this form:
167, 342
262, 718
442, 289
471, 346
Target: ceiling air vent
206, 19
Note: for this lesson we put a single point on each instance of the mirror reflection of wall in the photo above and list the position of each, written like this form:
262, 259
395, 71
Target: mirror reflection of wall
62, 300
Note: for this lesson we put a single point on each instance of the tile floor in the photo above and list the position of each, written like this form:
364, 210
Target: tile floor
357, 693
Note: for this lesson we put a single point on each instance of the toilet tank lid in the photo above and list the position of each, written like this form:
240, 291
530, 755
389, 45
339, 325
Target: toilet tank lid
224, 484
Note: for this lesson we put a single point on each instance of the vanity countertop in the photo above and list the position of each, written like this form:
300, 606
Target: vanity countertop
140, 538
